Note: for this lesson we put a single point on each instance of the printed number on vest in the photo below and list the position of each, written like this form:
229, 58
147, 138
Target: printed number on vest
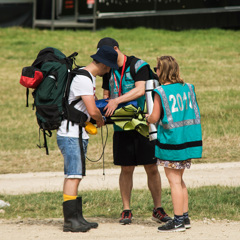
179, 102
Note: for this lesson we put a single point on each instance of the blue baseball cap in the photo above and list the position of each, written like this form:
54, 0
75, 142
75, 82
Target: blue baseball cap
106, 55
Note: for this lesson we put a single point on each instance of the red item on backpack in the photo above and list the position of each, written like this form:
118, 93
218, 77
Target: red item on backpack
31, 77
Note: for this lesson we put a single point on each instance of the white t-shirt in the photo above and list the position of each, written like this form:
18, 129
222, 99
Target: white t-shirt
81, 85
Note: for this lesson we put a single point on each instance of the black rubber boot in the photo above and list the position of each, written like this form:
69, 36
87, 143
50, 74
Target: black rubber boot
71, 218
80, 216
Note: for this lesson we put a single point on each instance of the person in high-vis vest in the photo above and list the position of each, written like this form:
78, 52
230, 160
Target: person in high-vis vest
179, 135
130, 148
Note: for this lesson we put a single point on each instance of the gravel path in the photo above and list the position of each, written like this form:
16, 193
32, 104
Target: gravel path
225, 174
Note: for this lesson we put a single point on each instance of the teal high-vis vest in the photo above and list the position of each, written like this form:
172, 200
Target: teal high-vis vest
179, 131
127, 82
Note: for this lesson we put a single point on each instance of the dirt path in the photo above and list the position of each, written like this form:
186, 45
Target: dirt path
226, 174
113, 231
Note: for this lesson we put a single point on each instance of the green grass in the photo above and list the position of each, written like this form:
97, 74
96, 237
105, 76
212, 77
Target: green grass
205, 202
209, 59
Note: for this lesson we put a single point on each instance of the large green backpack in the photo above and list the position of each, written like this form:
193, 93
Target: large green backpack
48, 95
51, 95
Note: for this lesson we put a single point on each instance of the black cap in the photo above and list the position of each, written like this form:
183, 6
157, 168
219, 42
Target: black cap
107, 56
108, 42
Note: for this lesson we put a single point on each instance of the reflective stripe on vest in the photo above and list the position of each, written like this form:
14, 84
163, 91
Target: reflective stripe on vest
179, 132
172, 124
138, 64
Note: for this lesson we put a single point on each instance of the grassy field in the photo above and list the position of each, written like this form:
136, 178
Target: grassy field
222, 203
209, 59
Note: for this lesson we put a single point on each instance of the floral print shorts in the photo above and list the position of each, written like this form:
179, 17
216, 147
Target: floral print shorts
175, 164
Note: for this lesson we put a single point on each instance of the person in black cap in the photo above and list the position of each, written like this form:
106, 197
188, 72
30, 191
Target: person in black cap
130, 148
82, 87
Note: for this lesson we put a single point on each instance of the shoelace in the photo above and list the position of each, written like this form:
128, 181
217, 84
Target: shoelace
126, 214
163, 213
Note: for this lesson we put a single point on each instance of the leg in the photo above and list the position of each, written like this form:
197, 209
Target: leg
175, 180
185, 195
185, 206
154, 183
73, 220
126, 184
70, 186
73, 164
72, 210
124, 155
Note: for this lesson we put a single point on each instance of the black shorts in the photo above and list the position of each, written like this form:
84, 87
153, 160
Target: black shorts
130, 148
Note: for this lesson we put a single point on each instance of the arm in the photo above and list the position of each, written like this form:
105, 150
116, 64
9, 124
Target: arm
157, 109
92, 109
133, 94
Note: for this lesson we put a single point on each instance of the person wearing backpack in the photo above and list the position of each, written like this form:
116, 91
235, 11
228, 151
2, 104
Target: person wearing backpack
82, 87
130, 148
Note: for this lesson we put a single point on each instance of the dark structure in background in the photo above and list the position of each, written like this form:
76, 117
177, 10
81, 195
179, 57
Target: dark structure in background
164, 14
175, 14
16, 13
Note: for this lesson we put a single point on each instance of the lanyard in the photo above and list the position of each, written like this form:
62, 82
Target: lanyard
115, 79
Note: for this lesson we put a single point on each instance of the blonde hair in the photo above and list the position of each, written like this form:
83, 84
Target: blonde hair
169, 70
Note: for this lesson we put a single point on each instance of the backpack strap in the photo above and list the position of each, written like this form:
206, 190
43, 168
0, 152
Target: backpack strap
68, 106
83, 158
49, 134
83, 72
27, 94
75, 72
45, 140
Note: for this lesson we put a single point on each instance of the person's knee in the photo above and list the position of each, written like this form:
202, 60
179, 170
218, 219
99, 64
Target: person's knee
72, 181
70, 186
183, 184
127, 170
175, 182
151, 169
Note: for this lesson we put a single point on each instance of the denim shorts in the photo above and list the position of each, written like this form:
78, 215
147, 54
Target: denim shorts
73, 164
